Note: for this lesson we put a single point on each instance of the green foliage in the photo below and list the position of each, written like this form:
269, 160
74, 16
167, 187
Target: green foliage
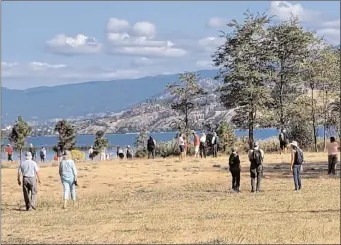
78, 156
67, 136
245, 67
227, 136
185, 92
140, 141
100, 143
19, 132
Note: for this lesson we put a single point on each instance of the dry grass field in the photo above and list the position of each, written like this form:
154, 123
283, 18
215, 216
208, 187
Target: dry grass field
169, 201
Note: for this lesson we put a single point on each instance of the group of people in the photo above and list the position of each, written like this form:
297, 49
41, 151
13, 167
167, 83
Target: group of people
31, 149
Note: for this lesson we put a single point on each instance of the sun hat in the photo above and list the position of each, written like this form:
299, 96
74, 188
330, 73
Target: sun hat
294, 143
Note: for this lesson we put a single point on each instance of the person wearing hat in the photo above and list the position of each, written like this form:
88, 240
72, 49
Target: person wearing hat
256, 158
297, 159
29, 171
129, 152
68, 176
9, 153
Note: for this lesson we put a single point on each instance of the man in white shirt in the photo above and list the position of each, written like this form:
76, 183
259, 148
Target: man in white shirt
203, 145
30, 174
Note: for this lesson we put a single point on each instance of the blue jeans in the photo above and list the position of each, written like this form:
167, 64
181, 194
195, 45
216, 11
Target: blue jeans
297, 176
69, 186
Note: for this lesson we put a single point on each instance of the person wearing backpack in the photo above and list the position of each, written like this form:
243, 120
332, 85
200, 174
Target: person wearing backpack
234, 164
215, 143
256, 158
151, 147
297, 159
129, 152
283, 141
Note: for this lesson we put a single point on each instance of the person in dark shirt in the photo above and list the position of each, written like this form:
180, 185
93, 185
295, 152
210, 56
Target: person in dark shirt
234, 163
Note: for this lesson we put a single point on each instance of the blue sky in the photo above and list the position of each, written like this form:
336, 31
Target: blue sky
51, 43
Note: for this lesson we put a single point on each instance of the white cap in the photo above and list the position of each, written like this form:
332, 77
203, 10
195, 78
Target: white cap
294, 143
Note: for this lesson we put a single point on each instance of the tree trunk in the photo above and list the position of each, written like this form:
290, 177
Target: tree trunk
313, 117
325, 121
281, 96
20, 154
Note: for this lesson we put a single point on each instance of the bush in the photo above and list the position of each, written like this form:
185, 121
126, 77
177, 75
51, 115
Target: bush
77, 155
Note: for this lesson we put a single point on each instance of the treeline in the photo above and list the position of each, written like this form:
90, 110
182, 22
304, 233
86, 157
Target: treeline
274, 75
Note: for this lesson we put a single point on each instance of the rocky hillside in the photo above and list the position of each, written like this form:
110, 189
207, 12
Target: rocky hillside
156, 115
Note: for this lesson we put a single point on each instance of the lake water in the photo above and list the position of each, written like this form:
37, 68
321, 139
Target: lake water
129, 139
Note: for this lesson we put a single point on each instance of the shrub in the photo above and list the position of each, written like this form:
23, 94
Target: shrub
77, 155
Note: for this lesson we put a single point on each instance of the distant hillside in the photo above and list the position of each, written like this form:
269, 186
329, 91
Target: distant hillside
73, 100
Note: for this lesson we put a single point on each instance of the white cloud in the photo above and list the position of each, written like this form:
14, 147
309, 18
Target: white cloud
142, 61
139, 40
210, 44
216, 22
331, 35
204, 64
117, 25
81, 44
54, 72
283, 10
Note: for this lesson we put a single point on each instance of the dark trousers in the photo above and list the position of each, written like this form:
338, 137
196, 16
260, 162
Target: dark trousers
215, 150
202, 150
235, 178
151, 153
42, 159
332, 161
10, 157
256, 172
297, 176
30, 189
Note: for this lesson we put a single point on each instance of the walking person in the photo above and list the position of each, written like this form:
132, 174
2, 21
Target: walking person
215, 143
42, 154
203, 145
181, 143
333, 150
91, 153
297, 159
103, 154
120, 153
151, 144
9, 153
196, 144
29, 171
283, 141
234, 163
129, 152
256, 158
33, 151
68, 176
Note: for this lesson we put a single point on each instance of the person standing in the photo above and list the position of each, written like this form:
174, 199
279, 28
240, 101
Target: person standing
283, 141
91, 153
181, 143
256, 158
68, 176
129, 152
30, 175
234, 163
196, 144
215, 142
151, 147
9, 153
42, 154
103, 154
297, 159
333, 150
203, 145
33, 151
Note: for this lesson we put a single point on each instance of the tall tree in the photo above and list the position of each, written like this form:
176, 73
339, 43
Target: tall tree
67, 136
290, 47
227, 136
245, 67
100, 142
18, 135
185, 92
141, 139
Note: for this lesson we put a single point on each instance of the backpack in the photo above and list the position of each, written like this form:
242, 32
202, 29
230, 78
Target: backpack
42, 153
257, 157
232, 160
150, 144
129, 153
299, 157
217, 140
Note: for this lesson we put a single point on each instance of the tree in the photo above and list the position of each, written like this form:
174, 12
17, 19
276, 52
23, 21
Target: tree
67, 136
100, 142
245, 67
185, 92
140, 141
18, 135
226, 135
290, 47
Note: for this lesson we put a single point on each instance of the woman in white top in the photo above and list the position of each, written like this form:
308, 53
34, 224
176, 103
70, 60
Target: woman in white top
181, 142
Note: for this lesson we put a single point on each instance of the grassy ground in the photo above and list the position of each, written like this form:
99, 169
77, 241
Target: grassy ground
168, 201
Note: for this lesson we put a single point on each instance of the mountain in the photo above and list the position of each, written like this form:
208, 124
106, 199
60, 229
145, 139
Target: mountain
74, 100
153, 114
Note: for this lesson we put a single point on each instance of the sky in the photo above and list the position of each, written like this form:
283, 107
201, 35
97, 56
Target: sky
53, 43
